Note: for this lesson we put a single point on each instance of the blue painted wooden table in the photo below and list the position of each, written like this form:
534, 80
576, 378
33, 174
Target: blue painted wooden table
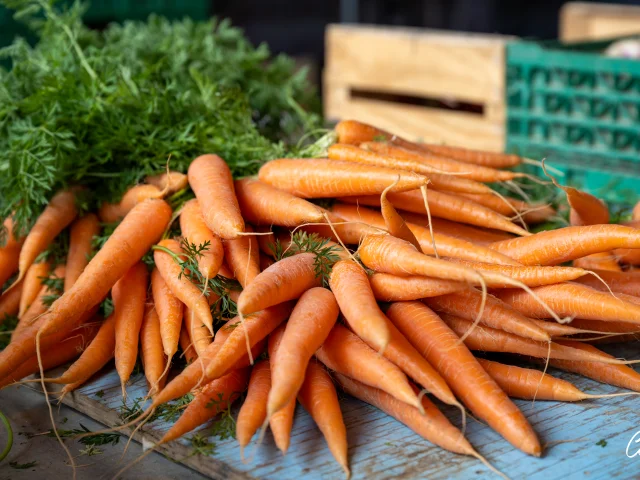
584, 440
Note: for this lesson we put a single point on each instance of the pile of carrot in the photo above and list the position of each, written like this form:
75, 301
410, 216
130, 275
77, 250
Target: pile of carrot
397, 286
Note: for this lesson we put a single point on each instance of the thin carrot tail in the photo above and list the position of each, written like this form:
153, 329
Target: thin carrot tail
483, 303
607, 395
326, 217
138, 427
423, 190
132, 463
544, 372
518, 214
248, 234
148, 412
538, 163
486, 463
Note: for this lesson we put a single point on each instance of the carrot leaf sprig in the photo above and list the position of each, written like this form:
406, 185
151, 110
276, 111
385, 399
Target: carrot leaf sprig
301, 242
201, 445
225, 426
55, 285
169, 412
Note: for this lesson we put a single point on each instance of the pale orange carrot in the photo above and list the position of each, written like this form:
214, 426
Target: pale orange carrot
394, 223
599, 261
9, 259
129, 295
198, 333
354, 132
618, 282
391, 288
153, 357
170, 182
243, 257
58, 214
284, 280
182, 288
447, 206
349, 232
471, 384
350, 285
95, 356
553, 247
170, 312
345, 353
605, 326
211, 181
572, 300
321, 178
113, 212
319, 398
10, 302
32, 284
510, 207
195, 231
475, 157
188, 351
311, 320
281, 421
439, 180
457, 230
556, 330
263, 204
80, 247
468, 304
254, 409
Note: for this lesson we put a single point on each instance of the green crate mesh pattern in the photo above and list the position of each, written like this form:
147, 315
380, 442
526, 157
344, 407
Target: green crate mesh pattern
578, 109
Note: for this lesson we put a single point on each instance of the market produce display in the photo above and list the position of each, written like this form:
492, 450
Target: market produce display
154, 209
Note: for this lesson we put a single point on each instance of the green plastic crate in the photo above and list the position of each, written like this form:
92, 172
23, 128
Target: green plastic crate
578, 109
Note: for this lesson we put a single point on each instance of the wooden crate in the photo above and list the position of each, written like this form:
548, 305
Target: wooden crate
595, 21
404, 79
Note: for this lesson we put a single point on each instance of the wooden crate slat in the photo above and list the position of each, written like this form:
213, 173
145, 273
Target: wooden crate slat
594, 21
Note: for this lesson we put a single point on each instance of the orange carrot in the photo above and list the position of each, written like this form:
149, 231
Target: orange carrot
196, 232
553, 247
391, 288
198, 333
187, 349
129, 295
95, 355
254, 409
345, 353
447, 206
9, 259
10, 302
255, 327
471, 384
628, 256
439, 181
171, 182
467, 304
181, 287
321, 178
318, 397
353, 132
349, 232
80, 247
56, 217
475, 157
140, 229
170, 312
555, 329
214, 398
465, 170
263, 204
394, 223
352, 290
113, 212
281, 421
572, 300
311, 320
457, 230
618, 282
585, 208
153, 357
598, 261
32, 284
211, 181
11, 240
243, 257
284, 280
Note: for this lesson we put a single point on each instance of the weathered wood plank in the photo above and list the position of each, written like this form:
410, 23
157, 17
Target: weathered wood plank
380, 447
582, 21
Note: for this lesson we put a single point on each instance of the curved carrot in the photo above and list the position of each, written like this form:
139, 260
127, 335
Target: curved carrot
80, 247
170, 312
132, 238
195, 231
439, 181
214, 398
179, 284
310, 322
465, 170
467, 304
318, 397
447, 206
170, 182
95, 356
553, 247
321, 178
243, 257
153, 357
281, 421
572, 300
391, 288
618, 282
262, 204
32, 284
211, 181
113, 212
394, 223
352, 290
58, 214
129, 296
284, 280
346, 353
471, 384
254, 409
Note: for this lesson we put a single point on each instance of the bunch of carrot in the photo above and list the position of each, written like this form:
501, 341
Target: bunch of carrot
382, 294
